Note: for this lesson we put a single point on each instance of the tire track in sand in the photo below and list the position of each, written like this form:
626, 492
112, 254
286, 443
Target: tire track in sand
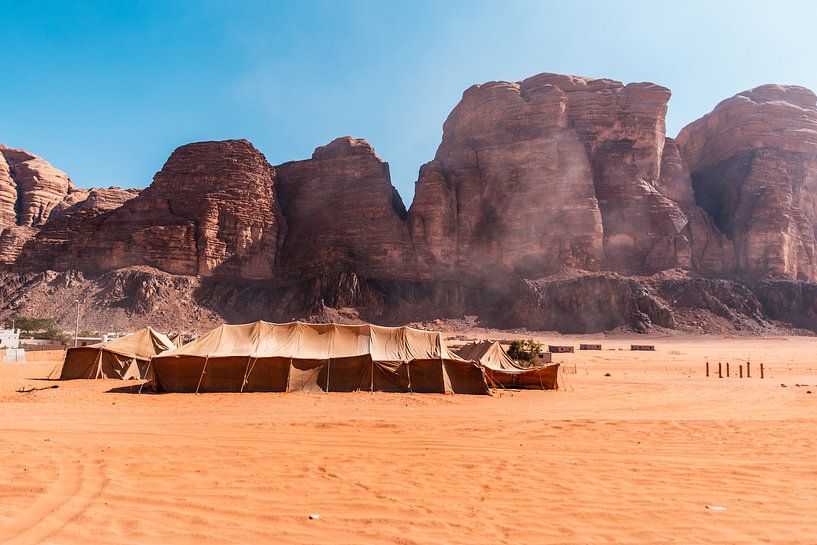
78, 484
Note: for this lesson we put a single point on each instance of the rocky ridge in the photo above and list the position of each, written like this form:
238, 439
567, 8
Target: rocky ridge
556, 202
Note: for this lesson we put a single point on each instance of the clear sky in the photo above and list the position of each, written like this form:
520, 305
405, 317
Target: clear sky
105, 90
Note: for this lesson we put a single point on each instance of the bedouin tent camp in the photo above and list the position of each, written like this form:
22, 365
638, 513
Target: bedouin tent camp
127, 357
504, 372
297, 356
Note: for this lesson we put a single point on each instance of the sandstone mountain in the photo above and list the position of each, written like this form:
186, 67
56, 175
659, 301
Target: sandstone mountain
555, 202
31, 192
753, 162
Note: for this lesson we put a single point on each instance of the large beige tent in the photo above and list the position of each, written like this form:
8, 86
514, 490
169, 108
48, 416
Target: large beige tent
127, 357
297, 356
503, 371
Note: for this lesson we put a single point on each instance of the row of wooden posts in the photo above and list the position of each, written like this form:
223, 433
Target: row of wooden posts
740, 370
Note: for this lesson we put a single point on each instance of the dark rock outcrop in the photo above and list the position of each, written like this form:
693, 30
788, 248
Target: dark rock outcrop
586, 304
342, 214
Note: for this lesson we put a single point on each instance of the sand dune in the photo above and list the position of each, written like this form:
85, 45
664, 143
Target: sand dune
634, 457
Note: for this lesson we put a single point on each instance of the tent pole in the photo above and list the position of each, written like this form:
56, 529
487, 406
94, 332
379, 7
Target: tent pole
247, 372
371, 378
442, 364
203, 370
289, 373
408, 372
328, 371
147, 372
98, 363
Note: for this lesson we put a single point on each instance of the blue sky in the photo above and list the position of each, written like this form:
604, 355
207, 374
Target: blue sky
106, 90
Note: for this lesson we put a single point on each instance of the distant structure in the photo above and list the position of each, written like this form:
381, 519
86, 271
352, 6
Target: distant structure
542, 358
589, 347
97, 339
87, 341
9, 338
644, 347
561, 349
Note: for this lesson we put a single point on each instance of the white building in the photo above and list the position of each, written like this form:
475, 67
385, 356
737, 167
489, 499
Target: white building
9, 338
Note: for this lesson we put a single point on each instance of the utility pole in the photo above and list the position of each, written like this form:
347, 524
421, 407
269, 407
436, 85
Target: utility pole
76, 330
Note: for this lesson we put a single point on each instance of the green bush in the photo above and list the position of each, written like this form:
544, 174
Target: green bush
37, 328
524, 350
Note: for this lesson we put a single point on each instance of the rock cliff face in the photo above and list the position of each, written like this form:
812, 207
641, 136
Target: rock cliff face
510, 189
342, 214
211, 210
51, 245
31, 191
555, 202
553, 172
753, 161
710, 251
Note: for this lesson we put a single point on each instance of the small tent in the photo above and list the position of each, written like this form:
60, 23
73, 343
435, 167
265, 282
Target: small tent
177, 340
127, 357
502, 371
297, 356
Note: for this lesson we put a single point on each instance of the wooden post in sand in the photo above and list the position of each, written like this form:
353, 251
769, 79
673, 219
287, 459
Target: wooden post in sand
761, 370
727, 369
748, 369
740, 370
707, 369
720, 370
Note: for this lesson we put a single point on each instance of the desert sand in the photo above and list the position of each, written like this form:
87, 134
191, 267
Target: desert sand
634, 457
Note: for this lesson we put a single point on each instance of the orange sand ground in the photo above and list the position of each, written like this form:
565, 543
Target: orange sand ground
631, 458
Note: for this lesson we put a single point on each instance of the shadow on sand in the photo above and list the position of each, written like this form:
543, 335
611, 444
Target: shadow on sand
137, 388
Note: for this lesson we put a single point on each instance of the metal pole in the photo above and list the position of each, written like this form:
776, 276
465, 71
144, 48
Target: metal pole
76, 329
761, 370
740, 370
720, 370
707, 369
748, 370
727, 369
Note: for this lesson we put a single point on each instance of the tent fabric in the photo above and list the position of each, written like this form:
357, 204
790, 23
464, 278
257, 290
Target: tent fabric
490, 354
504, 372
127, 357
298, 356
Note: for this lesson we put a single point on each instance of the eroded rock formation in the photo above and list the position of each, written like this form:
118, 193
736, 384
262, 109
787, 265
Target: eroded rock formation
211, 210
753, 161
31, 191
342, 214
556, 202
510, 189
555, 172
